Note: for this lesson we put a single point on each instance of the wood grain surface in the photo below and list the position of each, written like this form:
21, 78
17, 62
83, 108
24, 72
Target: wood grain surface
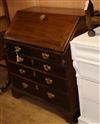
22, 111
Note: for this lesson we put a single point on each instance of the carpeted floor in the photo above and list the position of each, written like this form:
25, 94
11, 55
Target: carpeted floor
23, 111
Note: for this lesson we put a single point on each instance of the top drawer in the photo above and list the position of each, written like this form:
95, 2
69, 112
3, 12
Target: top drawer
44, 54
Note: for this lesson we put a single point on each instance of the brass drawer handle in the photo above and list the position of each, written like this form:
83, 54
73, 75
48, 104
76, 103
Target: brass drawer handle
50, 95
24, 85
19, 59
36, 87
22, 71
42, 17
17, 49
48, 81
47, 67
45, 55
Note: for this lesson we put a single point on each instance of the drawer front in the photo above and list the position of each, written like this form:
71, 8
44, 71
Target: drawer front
53, 69
49, 56
52, 96
52, 82
21, 59
22, 71
18, 48
24, 85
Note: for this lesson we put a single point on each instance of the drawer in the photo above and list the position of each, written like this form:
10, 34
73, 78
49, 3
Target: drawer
19, 58
49, 56
52, 96
53, 69
24, 85
18, 48
52, 82
22, 71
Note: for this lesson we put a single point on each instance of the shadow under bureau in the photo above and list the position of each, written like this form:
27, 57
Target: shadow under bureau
39, 59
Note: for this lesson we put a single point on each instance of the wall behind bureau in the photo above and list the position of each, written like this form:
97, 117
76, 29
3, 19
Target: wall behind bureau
1, 9
15, 5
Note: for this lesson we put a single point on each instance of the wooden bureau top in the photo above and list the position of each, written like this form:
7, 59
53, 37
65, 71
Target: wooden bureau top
42, 29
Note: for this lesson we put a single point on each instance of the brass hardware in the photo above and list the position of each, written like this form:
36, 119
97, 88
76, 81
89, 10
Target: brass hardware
42, 17
45, 55
24, 85
36, 87
17, 49
48, 81
19, 59
50, 95
47, 67
22, 71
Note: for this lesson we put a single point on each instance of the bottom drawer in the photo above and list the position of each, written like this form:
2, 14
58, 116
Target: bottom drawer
53, 96
24, 85
41, 91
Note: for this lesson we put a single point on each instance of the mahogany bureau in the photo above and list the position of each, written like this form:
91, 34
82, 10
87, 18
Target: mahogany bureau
39, 58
